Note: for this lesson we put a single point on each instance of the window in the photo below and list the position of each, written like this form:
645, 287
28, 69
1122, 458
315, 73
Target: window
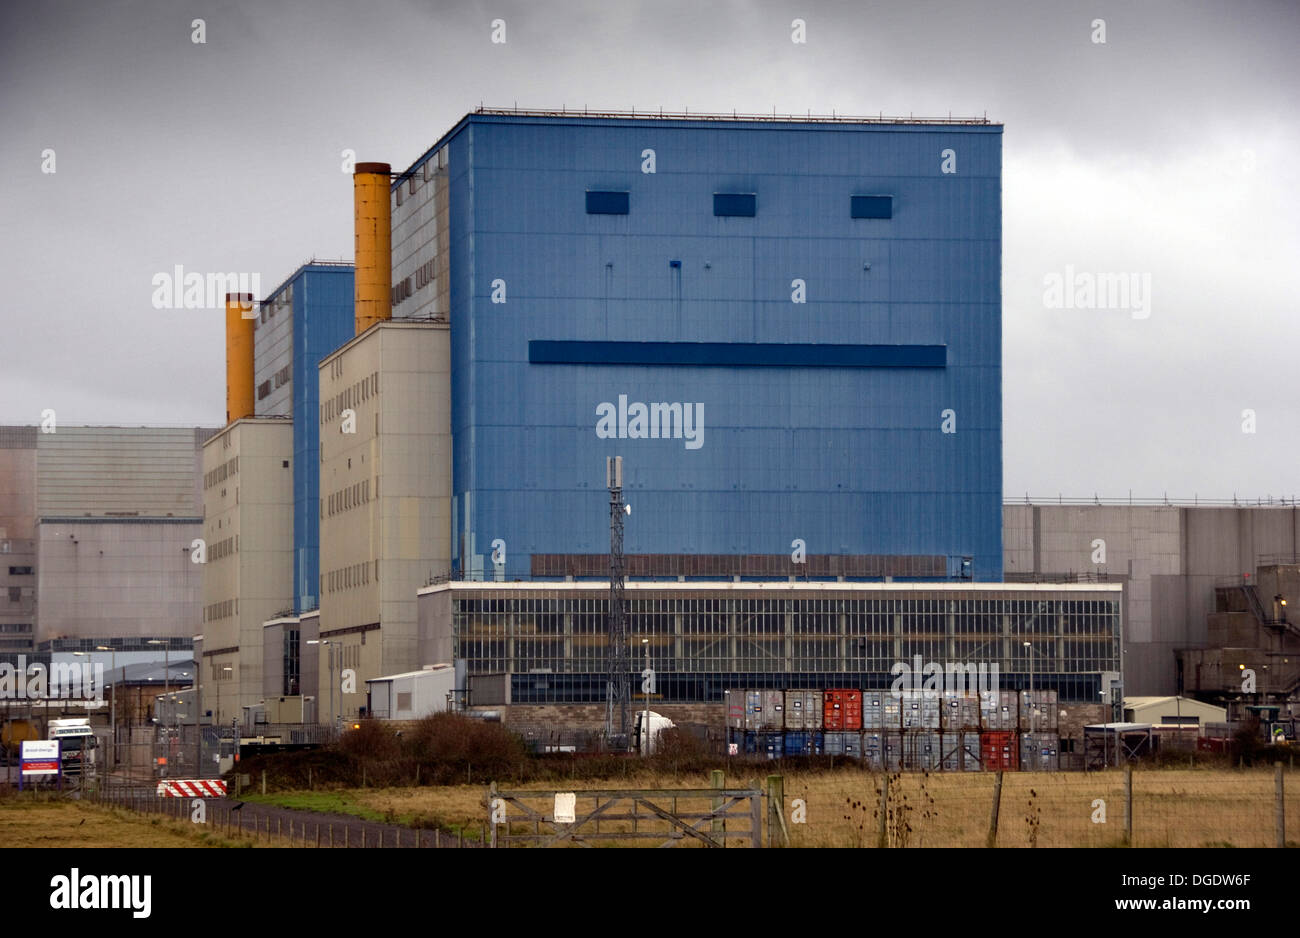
15, 594
20, 571
404, 700
871, 206
607, 203
735, 204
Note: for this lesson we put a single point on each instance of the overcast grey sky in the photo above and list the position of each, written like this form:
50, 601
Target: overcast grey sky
1167, 151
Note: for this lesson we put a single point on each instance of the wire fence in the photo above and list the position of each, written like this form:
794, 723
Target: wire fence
1124, 807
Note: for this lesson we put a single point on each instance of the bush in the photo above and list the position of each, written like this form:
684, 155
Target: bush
452, 749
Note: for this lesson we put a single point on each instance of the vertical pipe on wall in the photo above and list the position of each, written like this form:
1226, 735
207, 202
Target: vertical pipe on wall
374, 244
240, 314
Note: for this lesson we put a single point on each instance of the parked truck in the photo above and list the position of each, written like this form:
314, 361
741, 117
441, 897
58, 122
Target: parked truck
77, 744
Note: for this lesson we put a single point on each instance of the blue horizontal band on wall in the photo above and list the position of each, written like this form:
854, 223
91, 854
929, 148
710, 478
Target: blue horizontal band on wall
549, 352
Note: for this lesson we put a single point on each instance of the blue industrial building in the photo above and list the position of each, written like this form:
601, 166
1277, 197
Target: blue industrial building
789, 330
319, 298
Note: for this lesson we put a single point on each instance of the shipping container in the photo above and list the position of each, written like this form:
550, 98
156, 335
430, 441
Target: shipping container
920, 710
753, 710
771, 744
893, 750
998, 710
773, 710
734, 702
842, 743
1039, 752
1039, 712
961, 752
892, 707
873, 713
998, 750
959, 711
921, 751
873, 750
803, 709
749, 745
735, 741
803, 743
842, 709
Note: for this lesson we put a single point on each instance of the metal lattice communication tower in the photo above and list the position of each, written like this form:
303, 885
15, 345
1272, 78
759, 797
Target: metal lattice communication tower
618, 690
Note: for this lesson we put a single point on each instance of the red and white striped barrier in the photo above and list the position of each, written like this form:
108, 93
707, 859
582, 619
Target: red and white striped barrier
192, 788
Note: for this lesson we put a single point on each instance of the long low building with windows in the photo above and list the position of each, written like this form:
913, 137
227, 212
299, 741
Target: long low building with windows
545, 643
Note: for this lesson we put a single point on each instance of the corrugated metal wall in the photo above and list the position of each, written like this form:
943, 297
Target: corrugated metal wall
323, 320
850, 460
132, 471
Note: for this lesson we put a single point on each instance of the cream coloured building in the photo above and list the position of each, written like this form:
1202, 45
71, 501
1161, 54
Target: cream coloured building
248, 572
385, 508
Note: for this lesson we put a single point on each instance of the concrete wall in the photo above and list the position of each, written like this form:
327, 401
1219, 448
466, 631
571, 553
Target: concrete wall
1170, 559
123, 579
249, 580
385, 493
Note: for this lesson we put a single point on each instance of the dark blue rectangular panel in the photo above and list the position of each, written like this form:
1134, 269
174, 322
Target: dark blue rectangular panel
871, 206
607, 203
546, 352
743, 204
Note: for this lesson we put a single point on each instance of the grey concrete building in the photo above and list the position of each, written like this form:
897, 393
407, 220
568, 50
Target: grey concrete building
1170, 559
111, 514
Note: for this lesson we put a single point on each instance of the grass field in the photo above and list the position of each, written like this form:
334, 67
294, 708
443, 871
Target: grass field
44, 822
1171, 807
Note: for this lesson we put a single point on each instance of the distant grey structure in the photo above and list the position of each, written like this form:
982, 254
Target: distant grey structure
1170, 559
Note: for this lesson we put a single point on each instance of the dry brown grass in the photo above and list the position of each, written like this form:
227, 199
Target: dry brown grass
1172, 807
25, 823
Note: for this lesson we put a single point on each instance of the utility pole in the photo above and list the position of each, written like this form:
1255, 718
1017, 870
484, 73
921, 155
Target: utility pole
617, 689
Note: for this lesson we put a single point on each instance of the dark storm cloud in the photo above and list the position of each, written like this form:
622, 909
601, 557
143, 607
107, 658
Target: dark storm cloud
1164, 151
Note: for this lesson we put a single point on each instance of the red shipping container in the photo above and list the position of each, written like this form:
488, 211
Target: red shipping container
999, 749
842, 709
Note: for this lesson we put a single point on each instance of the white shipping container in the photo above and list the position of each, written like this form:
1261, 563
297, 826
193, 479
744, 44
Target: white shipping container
412, 695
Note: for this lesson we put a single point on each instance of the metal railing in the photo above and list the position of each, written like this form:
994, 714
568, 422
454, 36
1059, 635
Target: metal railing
661, 114
1262, 501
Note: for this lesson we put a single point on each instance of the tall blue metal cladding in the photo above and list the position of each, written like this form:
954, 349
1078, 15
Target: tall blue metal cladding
790, 331
323, 319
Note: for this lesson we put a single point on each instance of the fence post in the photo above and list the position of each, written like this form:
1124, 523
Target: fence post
1128, 805
347, 835
317, 836
491, 806
363, 836
717, 779
997, 807
777, 834
1280, 795
264, 781
331, 835
755, 814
